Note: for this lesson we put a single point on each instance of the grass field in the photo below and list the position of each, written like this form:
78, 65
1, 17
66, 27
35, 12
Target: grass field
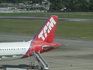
64, 28
60, 14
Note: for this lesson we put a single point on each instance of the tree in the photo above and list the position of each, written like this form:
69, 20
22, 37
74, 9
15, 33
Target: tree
37, 1
91, 5
69, 3
2, 1
81, 5
56, 5
11, 1
73, 5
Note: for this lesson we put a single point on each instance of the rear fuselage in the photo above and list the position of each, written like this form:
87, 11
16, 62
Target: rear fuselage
13, 50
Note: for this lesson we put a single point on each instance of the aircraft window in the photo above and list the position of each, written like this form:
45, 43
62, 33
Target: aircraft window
1, 49
22, 48
13, 49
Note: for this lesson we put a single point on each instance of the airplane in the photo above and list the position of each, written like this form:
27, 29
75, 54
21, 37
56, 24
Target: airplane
40, 43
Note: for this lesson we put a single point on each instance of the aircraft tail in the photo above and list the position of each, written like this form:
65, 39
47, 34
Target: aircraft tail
47, 31
43, 40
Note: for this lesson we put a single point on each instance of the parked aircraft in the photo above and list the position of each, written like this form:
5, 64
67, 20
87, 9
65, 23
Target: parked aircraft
41, 42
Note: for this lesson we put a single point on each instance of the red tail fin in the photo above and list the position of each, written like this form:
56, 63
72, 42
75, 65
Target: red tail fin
44, 38
46, 33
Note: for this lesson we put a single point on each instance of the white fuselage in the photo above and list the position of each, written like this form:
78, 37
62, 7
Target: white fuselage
13, 50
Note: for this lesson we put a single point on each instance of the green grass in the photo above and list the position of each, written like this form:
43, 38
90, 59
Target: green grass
60, 14
75, 29
64, 28
20, 26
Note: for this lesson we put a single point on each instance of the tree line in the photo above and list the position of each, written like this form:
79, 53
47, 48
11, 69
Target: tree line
59, 5
71, 5
11, 1
19, 1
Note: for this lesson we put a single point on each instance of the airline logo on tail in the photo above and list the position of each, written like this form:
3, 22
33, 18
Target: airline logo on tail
47, 28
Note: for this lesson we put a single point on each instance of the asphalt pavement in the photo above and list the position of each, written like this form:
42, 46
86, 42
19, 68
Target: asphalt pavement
74, 54
44, 18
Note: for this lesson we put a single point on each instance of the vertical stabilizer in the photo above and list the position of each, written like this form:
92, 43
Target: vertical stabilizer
47, 31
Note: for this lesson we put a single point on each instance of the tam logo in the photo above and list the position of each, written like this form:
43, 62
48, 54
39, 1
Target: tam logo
46, 29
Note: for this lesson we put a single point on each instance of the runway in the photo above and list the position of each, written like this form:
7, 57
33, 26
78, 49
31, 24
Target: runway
74, 54
44, 18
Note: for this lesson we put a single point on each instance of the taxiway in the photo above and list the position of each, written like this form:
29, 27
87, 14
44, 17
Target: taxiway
74, 54
44, 18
